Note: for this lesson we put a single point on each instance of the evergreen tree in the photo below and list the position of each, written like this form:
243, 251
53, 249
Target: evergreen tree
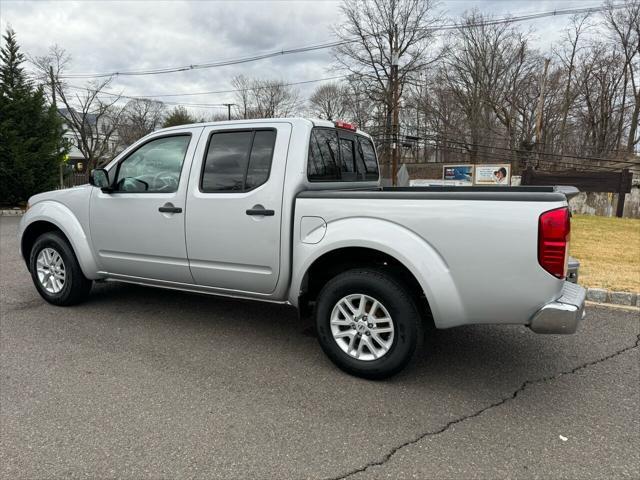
178, 116
30, 130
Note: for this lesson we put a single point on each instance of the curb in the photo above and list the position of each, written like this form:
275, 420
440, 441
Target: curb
14, 212
613, 305
600, 295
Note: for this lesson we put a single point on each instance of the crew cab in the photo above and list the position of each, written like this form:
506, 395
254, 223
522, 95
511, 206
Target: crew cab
292, 211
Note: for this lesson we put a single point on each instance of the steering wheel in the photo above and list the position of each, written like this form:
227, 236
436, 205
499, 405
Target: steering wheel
164, 181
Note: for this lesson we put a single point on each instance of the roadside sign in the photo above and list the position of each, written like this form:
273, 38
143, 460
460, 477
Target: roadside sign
494, 174
462, 173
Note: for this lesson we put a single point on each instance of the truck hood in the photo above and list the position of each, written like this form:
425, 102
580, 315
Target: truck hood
61, 195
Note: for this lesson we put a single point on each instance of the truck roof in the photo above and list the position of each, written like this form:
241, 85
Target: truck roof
314, 122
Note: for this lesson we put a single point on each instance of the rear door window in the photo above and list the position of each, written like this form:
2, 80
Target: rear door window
260, 159
237, 161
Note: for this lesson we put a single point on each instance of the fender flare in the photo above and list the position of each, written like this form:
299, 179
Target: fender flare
63, 218
423, 261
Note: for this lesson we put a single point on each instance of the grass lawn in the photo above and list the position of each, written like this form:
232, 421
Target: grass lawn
608, 250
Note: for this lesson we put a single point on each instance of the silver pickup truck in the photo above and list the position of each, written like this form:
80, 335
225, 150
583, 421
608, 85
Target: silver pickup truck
291, 211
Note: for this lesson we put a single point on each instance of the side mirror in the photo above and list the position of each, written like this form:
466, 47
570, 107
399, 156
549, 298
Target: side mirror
99, 177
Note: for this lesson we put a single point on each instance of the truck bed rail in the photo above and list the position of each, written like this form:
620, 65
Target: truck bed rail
489, 193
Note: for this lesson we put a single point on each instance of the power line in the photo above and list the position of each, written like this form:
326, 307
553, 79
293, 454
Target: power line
77, 87
504, 153
322, 46
220, 63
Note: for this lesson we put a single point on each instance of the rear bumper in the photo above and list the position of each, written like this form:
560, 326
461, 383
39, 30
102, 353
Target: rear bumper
563, 315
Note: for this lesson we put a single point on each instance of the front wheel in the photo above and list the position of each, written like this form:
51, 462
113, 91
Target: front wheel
56, 272
367, 323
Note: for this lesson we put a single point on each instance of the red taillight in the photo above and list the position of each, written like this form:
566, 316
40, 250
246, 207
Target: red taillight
554, 230
345, 125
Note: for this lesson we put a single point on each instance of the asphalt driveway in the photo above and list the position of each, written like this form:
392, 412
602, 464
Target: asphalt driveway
143, 383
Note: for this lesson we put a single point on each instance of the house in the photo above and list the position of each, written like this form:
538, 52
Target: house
76, 160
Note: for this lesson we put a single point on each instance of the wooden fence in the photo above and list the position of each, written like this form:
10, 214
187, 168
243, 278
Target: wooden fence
615, 182
74, 179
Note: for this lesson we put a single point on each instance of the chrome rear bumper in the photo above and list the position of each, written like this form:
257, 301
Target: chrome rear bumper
563, 315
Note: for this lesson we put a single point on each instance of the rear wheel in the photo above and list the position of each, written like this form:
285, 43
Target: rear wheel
56, 272
367, 323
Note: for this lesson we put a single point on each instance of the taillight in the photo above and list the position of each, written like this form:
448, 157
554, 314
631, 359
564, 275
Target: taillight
554, 230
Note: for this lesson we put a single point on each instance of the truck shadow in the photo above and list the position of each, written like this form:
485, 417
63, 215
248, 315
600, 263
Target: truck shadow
457, 357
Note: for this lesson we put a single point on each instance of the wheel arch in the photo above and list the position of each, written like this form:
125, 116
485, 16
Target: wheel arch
333, 262
408, 252
31, 234
51, 216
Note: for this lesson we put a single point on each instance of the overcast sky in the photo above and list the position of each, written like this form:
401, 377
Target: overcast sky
103, 36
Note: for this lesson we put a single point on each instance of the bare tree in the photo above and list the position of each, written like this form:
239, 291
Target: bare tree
265, 98
328, 101
568, 58
139, 118
378, 33
89, 112
243, 90
486, 71
358, 108
272, 98
624, 26
601, 76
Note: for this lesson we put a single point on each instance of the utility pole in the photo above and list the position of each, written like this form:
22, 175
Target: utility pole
543, 83
55, 106
395, 89
229, 105
53, 85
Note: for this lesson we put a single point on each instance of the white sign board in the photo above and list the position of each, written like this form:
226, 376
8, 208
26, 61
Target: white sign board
496, 174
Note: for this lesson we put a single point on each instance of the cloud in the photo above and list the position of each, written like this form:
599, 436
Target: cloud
131, 35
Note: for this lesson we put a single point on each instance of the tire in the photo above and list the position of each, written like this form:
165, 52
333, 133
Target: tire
364, 287
55, 271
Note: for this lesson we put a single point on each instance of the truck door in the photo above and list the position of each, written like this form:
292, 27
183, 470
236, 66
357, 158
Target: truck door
137, 229
234, 206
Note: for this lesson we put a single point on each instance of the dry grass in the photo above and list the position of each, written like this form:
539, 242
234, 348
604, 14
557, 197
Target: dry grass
608, 250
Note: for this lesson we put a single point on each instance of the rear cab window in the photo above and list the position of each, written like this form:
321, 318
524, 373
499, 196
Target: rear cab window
340, 156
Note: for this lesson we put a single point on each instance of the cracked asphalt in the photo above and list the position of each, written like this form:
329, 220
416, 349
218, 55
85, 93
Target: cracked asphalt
140, 383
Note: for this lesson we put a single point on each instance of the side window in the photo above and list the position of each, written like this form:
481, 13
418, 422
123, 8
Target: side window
154, 167
324, 158
367, 161
343, 157
260, 159
237, 161
346, 150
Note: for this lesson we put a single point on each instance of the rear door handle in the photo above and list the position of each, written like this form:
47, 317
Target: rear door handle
261, 211
169, 208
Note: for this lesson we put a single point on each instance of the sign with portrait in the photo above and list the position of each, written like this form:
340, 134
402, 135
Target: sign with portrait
496, 174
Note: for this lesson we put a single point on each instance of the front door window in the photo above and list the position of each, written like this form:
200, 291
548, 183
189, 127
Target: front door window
153, 168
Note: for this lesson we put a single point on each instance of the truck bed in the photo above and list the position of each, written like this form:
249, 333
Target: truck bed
473, 249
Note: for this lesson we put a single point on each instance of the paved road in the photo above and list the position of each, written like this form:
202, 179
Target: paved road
142, 383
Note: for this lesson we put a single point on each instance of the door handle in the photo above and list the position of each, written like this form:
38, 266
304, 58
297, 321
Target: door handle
261, 211
169, 208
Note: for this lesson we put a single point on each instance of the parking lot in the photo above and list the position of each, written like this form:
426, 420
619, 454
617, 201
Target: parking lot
144, 383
